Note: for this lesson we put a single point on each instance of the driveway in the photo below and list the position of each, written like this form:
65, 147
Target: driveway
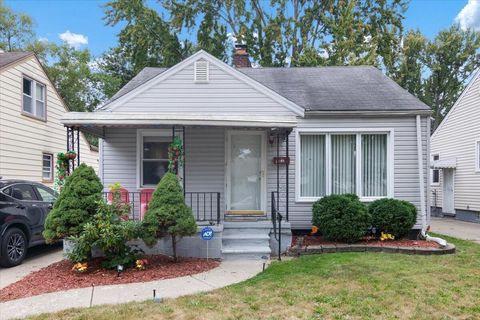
455, 228
37, 258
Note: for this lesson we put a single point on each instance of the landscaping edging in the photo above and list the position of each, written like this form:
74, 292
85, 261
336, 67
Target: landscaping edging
332, 248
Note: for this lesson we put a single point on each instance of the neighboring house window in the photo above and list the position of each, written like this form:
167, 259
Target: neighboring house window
435, 172
153, 156
47, 167
33, 98
477, 156
337, 163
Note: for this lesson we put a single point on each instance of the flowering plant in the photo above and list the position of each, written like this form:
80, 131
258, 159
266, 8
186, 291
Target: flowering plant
80, 267
386, 236
141, 264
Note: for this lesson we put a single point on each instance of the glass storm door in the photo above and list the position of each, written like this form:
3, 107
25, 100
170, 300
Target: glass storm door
245, 184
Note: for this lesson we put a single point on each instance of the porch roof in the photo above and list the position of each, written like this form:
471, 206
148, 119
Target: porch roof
450, 163
93, 121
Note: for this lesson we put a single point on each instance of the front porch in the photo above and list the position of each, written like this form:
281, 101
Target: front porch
233, 179
228, 172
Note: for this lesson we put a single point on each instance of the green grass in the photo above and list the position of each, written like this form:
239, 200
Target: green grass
330, 286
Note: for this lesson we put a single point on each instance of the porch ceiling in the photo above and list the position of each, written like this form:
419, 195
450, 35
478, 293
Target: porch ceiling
94, 121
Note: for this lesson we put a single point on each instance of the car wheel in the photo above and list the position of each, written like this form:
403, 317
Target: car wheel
13, 247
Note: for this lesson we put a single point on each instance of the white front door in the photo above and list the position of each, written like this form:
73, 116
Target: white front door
448, 191
246, 183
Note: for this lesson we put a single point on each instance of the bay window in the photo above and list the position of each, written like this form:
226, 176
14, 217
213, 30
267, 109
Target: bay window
33, 98
343, 162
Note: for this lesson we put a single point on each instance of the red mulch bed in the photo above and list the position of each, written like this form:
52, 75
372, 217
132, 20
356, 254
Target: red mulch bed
318, 240
59, 276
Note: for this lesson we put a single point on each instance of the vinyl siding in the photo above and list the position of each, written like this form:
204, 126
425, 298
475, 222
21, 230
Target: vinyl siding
222, 94
23, 139
456, 138
205, 160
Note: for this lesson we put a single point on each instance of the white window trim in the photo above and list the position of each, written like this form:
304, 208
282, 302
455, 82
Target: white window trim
33, 96
477, 156
150, 133
51, 166
435, 184
358, 132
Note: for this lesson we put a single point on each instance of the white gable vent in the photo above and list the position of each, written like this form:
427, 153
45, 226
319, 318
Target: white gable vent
201, 71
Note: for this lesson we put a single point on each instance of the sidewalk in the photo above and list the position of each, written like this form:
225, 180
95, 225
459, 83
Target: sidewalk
229, 272
458, 229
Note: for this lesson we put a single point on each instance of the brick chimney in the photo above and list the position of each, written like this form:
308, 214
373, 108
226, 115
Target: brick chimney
240, 57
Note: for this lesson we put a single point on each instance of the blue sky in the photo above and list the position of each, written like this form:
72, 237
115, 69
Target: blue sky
80, 22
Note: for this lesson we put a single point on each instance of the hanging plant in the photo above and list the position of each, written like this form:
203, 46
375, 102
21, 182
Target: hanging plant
175, 155
71, 155
61, 170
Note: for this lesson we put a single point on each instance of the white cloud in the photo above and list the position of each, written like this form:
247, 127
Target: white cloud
43, 39
73, 39
469, 16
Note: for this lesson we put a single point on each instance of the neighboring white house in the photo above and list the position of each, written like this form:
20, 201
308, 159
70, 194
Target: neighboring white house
259, 140
30, 130
455, 156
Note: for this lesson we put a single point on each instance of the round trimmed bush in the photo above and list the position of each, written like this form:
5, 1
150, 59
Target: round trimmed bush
341, 218
393, 216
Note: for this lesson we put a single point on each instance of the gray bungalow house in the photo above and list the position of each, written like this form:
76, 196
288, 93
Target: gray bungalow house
262, 140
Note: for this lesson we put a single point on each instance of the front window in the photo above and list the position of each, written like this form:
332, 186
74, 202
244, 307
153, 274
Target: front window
154, 159
374, 165
47, 167
337, 163
313, 163
33, 98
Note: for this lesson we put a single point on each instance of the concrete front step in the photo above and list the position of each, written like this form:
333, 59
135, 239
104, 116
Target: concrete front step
251, 240
247, 224
245, 252
246, 240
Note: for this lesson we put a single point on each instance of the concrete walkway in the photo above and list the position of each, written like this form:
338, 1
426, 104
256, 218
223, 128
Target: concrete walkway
37, 258
454, 228
227, 273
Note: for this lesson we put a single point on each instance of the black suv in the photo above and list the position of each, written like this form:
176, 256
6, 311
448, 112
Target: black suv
24, 205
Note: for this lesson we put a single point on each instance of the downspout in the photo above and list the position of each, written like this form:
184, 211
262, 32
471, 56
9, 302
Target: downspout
423, 208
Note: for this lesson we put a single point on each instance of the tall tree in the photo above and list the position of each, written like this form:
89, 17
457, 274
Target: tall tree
16, 29
71, 73
450, 58
410, 66
280, 32
145, 41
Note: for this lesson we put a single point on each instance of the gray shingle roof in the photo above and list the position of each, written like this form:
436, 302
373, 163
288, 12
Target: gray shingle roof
350, 88
7, 58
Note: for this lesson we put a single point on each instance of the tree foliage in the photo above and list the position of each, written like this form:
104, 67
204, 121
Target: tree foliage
16, 29
450, 58
276, 32
75, 206
168, 214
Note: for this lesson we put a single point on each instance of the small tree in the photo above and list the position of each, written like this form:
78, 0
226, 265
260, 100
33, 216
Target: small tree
76, 205
168, 214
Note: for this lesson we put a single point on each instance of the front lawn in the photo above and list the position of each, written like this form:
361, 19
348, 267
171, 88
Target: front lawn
330, 286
